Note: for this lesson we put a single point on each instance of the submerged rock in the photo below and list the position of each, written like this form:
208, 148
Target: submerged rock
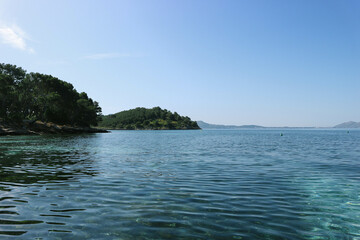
38, 127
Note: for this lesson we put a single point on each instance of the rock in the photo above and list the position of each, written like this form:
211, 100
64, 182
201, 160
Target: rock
38, 127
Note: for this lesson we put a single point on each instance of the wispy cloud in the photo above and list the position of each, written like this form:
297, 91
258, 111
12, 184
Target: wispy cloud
100, 56
15, 37
53, 62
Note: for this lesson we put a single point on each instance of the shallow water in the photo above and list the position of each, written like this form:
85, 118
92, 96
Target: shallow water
209, 184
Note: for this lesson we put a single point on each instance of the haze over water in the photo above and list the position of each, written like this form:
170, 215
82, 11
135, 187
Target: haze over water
210, 184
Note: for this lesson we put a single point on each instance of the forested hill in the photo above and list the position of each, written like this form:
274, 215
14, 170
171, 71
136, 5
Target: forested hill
36, 96
149, 119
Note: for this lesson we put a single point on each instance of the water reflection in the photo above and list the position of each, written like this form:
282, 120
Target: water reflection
33, 171
181, 184
32, 160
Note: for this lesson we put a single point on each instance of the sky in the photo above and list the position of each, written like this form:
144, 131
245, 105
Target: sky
264, 62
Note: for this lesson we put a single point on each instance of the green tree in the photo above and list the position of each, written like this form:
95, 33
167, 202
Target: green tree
155, 118
10, 77
43, 97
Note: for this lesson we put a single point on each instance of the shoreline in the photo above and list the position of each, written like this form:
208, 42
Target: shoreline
151, 129
40, 128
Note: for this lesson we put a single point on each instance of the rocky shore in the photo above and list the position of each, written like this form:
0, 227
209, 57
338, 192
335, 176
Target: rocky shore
38, 127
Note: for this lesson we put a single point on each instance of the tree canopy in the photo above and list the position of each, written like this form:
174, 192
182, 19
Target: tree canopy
36, 96
144, 118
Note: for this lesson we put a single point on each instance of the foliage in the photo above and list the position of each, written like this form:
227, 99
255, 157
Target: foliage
35, 96
143, 118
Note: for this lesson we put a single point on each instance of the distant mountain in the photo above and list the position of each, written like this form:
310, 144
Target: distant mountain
204, 125
348, 125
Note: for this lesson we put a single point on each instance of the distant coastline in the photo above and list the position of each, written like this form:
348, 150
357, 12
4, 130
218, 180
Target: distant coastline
204, 125
350, 124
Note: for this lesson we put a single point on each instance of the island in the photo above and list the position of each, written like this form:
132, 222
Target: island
35, 103
147, 119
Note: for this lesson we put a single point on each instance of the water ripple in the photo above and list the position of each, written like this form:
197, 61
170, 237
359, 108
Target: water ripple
182, 185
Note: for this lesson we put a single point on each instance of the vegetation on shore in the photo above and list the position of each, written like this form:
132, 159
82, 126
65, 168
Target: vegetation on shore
38, 103
147, 119
38, 128
36, 96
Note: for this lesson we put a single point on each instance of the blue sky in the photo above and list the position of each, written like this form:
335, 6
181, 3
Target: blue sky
271, 63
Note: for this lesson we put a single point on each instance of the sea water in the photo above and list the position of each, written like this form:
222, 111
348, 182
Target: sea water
201, 184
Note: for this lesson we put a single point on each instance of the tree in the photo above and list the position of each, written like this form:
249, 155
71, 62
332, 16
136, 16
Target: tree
43, 97
155, 118
10, 77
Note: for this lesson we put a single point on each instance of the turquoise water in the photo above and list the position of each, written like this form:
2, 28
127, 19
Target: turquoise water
209, 184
